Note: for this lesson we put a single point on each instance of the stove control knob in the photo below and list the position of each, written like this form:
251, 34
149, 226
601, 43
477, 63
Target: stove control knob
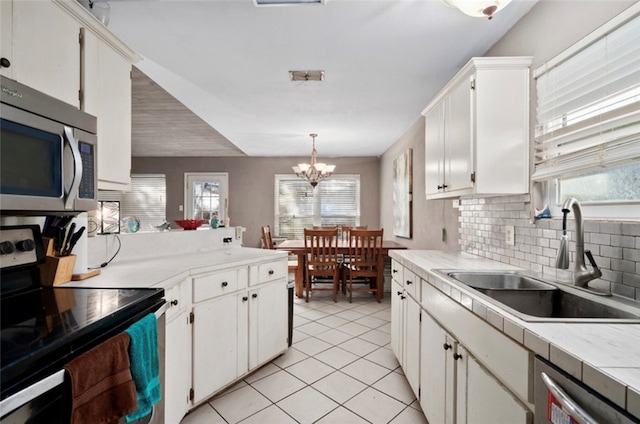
26, 245
7, 248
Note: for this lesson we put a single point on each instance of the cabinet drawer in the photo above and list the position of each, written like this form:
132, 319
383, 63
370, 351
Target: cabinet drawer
177, 298
396, 272
219, 283
411, 283
271, 271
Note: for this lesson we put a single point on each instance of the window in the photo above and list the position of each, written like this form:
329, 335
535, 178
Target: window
206, 194
335, 201
146, 200
587, 141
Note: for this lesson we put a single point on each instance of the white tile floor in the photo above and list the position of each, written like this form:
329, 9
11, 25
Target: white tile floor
340, 369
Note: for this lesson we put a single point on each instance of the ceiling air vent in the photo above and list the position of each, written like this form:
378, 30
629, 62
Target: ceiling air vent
281, 2
306, 75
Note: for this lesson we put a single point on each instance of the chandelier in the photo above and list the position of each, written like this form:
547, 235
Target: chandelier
478, 8
314, 172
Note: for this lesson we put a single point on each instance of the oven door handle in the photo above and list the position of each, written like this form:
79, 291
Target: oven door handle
16, 400
568, 404
71, 195
162, 310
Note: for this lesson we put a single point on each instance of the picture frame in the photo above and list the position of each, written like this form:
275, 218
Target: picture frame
403, 194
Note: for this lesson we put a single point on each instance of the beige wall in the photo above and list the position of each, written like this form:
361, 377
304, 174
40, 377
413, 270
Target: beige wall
251, 185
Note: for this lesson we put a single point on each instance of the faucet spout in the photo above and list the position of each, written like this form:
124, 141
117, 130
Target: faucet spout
581, 275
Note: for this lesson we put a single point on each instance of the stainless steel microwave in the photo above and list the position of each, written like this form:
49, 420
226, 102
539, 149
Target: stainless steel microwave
48, 154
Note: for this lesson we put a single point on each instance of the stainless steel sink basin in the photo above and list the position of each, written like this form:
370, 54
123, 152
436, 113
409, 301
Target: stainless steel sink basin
534, 300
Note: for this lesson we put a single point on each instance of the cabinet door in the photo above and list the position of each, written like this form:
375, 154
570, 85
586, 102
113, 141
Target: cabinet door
46, 49
397, 317
458, 139
434, 150
411, 339
177, 368
114, 119
217, 342
487, 401
268, 317
6, 36
433, 370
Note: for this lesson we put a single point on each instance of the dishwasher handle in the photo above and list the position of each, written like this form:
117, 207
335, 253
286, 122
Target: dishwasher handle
568, 404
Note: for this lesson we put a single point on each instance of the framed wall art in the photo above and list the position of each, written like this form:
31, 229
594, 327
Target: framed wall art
402, 194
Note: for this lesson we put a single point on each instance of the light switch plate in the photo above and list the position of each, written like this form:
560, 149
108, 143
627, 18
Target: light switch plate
510, 235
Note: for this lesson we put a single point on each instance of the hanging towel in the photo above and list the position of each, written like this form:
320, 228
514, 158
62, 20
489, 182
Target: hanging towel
145, 367
102, 389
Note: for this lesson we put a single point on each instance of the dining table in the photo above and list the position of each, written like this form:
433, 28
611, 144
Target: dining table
296, 247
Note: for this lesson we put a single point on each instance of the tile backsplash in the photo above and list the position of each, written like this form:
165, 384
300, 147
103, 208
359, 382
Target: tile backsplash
615, 245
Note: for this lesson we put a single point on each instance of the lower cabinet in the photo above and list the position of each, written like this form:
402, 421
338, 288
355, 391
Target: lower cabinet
234, 321
437, 342
405, 340
455, 388
178, 348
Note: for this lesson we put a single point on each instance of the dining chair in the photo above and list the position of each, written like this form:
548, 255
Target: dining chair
321, 261
364, 262
267, 243
344, 259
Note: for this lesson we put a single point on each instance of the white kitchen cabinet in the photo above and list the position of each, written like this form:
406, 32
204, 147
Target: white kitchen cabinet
456, 389
219, 343
268, 315
60, 49
405, 334
106, 88
41, 41
477, 131
178, 343
239, 323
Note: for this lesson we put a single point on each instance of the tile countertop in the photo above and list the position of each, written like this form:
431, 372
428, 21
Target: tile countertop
604, 356
163, 271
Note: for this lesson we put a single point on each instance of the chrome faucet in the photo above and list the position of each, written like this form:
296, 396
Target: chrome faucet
581, 275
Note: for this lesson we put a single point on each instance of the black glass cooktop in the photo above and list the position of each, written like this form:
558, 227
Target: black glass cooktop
44, 328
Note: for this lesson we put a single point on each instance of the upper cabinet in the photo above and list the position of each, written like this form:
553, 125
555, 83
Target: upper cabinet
61, 49
477, 131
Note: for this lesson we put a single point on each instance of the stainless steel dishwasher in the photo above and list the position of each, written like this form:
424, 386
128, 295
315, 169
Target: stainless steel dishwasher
561, 399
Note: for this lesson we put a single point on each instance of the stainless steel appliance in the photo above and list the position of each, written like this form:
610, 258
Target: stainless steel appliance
43, 328
48, 154
561, 399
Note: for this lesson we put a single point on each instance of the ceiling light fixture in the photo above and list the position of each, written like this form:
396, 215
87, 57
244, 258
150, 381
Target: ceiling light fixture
478, 8
306, 75
314, 172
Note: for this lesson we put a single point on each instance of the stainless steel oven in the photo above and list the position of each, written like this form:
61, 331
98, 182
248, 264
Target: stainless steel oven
44, 328
48, 154
561, 399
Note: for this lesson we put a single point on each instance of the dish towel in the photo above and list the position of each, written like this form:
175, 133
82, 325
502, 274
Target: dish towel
145, 367
102, 389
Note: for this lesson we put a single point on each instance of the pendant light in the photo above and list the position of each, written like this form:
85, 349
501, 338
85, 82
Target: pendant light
313, 172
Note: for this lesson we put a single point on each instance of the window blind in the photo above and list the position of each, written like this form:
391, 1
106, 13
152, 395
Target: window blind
146, 200
588, 106
335, 201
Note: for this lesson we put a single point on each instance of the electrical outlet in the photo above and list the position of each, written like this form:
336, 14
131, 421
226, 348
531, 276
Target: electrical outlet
510, 235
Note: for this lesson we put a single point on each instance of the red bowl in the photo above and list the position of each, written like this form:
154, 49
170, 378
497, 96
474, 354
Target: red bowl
190, 224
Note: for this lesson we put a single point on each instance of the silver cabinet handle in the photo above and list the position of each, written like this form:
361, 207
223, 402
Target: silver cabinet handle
568, 404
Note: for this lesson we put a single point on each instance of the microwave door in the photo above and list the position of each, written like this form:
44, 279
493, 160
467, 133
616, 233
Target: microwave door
73, 173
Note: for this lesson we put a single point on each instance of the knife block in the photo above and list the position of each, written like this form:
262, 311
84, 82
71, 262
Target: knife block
57, 270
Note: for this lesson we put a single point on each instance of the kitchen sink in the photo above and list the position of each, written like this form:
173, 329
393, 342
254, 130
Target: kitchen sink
532, 299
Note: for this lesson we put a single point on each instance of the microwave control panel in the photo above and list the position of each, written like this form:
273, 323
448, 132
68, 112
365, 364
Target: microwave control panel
87, 183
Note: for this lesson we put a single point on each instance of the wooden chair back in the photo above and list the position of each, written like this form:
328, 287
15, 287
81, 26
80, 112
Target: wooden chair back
347, 229
267, 239
365, 251
321, 259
